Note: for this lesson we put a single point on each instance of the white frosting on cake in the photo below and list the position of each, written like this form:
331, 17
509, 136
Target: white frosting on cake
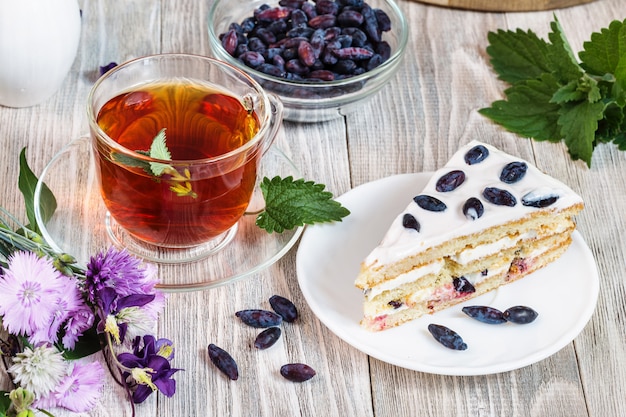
438, 227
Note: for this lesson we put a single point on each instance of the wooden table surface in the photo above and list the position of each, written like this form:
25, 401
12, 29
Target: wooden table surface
428, 110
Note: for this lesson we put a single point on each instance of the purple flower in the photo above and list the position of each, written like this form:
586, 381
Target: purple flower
29, 292
149, 367
79, 390
123, 289
80, 321
68, 302
118, 270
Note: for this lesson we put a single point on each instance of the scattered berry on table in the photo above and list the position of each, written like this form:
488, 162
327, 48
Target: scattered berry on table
259, 318
267, 338
223, 361
297, 372
284, 307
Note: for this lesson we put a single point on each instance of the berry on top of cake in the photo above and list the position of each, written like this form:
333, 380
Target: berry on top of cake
483, 220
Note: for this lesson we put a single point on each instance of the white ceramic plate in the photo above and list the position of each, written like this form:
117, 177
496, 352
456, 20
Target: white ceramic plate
329, 255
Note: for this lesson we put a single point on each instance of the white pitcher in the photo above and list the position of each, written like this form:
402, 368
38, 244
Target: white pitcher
38, 44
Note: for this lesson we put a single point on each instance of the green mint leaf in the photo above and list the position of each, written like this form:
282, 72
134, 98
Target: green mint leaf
289, 204
27, 181
158, 150
585, 88
130, 161
605, 53
528, 110
569, 92
518, 56
579, 123
564, 63
605, 56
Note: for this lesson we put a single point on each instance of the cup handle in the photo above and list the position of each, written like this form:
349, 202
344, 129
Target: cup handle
277, 120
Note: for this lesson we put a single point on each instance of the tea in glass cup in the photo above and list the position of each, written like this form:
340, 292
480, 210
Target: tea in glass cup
177, 141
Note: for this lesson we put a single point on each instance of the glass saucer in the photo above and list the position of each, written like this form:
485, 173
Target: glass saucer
79, 225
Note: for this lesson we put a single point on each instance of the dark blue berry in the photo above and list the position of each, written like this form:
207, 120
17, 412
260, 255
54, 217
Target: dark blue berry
384, 49
499, 197
267, 338
520, 315
223, 361
270, 69
384, 23
259, 318
539, 199
473, 209
513, 172
447, 337
461, 284
299, 18
359, 38
252, 59
484, 314
450, 181
410, 222
247, 24
326, 7
395, 303
284, 307
475, 155
297, 372
429, 203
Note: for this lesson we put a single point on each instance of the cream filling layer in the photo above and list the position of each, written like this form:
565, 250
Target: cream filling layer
469, 255
411, 276
474, 278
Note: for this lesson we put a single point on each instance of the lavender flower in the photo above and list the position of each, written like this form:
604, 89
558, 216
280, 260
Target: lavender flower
29, 290
149, 369
117, 270
81, 320
68, 302
79, 390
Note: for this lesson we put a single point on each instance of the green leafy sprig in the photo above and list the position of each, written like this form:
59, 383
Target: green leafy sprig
291, 203
554, 97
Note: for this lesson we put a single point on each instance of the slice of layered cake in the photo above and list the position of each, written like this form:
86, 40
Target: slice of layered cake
483, 220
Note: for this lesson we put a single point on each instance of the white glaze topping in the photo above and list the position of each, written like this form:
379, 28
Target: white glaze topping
438, 227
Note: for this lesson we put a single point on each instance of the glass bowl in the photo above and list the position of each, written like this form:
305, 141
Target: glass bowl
310, 101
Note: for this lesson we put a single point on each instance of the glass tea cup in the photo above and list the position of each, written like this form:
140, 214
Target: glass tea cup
177, 141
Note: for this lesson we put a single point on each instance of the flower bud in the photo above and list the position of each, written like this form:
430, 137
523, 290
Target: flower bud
22, 399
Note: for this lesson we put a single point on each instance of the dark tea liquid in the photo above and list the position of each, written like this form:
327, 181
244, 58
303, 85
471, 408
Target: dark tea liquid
200, 123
